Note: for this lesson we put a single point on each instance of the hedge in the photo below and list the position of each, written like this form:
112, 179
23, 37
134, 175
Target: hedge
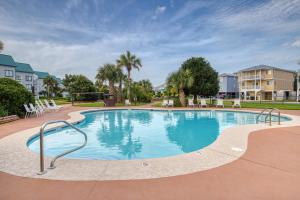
12, 97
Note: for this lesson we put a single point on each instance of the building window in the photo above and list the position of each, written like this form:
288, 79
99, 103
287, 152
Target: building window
18, 77
28, 78
9, 73
268, 82
28, 86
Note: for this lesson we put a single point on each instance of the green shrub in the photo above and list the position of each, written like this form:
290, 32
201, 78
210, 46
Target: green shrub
12, 97
3, 112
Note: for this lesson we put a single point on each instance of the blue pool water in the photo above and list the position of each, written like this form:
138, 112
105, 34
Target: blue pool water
138, 134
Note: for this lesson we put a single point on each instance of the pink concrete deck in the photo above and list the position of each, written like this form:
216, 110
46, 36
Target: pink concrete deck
270, 169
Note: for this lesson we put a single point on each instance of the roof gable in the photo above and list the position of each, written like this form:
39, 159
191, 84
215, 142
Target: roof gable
24, 67
42, 75
7, 60
265, 67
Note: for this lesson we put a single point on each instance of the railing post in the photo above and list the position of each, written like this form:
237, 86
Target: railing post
42, 166
270, 116
278, 117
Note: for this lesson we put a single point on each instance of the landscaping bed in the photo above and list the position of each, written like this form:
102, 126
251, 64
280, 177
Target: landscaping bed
7, 119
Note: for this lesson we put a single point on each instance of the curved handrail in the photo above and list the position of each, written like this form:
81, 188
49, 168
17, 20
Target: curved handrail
42, 170
278, 111
269, 114
261, 113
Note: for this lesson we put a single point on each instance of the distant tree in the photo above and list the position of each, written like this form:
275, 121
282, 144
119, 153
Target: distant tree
129, 61
205, 77
1, 46
79, 84
108, 72
146, 86
180, 80
51, 84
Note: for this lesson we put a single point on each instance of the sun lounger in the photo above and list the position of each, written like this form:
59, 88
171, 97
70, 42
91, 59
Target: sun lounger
28, 111
203, 103
54, 104
49, 107
191, 103
165, 103
127, 102
171, 103
236, 103
220, 103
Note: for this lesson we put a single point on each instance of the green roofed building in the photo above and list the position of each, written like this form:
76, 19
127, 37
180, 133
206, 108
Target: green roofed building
41, 88
7, 66
25, 75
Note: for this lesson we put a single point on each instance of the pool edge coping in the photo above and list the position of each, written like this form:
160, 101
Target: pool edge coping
230, 145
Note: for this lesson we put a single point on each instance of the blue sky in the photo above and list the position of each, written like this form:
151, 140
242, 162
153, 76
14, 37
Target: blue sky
78, 36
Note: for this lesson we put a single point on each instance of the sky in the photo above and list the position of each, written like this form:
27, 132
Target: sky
78, 36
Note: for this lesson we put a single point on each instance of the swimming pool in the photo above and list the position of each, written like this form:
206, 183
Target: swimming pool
141, 134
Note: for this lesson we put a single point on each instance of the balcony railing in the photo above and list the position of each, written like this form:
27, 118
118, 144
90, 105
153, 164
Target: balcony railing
257, 77
253, 87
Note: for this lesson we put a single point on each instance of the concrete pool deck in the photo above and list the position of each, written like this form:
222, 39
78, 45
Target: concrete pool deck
274, 165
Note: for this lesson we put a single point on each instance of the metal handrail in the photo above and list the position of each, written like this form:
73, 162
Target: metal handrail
261, 113
269, 114
42, 169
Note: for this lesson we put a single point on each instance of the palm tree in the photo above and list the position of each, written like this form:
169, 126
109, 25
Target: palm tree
108, 72
129, 61
1, 46
50, 83
121, 77
180, 80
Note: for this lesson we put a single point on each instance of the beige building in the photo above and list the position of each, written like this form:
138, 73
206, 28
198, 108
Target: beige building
264, 82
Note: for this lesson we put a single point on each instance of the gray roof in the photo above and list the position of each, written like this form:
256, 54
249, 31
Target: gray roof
258, 67
226, 74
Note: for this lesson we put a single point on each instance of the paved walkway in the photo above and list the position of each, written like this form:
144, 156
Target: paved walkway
270, 169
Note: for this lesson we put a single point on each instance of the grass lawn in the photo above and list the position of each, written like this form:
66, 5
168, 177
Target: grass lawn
258, 105
101, 104
286, 106
90, 104
62, 101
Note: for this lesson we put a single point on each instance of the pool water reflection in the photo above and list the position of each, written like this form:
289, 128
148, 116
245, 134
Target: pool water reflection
139, 134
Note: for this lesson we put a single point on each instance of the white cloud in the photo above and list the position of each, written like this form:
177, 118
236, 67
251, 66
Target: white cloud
296, 43
158, 11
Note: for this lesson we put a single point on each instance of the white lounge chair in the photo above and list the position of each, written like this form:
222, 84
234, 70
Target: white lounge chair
171, 103
34, 109
127, 102
191, 103
49, 107
39, 107
42, 105
165, 103
237, 103
220, 103
54, 104
28, 111
203, 103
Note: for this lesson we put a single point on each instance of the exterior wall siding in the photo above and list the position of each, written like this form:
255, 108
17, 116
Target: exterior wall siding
2, 71
21, 77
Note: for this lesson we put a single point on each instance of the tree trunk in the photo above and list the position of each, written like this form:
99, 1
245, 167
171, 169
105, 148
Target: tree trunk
129, 85
182, 97
119, 98
111, 88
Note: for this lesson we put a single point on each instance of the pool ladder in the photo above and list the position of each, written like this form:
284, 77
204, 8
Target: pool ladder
268, 117
52, 166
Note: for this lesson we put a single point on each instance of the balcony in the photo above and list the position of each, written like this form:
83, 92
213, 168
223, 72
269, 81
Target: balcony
253, 87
